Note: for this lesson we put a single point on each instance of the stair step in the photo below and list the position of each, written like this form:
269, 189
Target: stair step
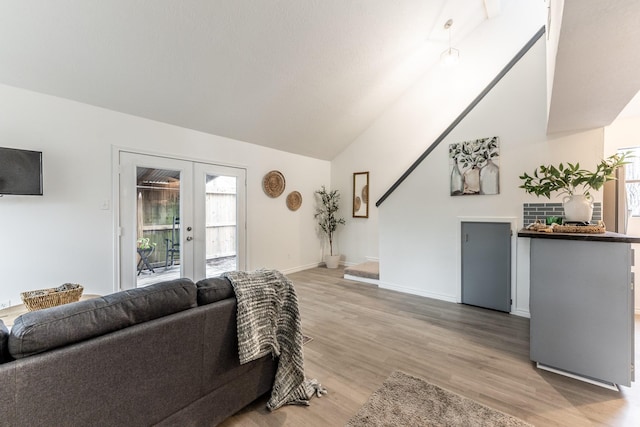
367, 270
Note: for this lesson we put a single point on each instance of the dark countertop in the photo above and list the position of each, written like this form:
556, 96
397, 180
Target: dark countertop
608, 236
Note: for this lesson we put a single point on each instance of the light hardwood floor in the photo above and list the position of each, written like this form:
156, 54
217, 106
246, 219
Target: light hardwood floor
362, 333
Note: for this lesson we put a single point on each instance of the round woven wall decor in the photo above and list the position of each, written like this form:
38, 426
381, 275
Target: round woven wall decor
273, 183
294, 200
357, 203
365, 194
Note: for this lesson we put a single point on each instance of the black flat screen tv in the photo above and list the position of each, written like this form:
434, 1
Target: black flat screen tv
20, 172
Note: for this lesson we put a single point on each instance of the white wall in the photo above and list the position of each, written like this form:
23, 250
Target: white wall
65, 236
554, 23
419, 222
625, 133
409, 126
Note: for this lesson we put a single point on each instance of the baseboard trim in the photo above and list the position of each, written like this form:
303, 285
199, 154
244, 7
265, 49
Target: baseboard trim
521, 313
441, 297
413, 291
599, 383
301, 268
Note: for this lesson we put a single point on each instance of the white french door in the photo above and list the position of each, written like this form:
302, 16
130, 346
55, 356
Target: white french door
220, 209
179, 218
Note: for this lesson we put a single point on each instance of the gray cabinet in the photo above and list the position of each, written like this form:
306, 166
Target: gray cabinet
582, 314
486, 264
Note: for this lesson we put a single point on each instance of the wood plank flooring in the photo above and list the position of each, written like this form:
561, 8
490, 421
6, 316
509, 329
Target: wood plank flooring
362, 333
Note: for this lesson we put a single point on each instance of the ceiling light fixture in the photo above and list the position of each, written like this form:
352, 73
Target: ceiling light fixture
451, 55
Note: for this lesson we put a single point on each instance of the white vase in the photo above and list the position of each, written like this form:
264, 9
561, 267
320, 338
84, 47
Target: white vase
490, 178
332, 261
472, 181
578, 208
457, 184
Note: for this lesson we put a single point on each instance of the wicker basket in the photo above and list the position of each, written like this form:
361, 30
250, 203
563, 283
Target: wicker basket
599, 228
45, 298
585, 229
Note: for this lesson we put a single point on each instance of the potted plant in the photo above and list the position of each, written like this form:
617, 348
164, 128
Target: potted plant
145, 247
326, 211
144, 243
575, 183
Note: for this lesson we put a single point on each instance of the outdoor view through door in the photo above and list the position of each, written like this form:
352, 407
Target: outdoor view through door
158, 214
179, 219
221, 224
158, 224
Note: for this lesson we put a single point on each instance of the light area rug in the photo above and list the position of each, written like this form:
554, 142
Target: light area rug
404, 400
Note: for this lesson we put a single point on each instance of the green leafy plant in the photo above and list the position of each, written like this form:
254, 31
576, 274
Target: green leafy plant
329, 204
145, 243
474, 154
570, 179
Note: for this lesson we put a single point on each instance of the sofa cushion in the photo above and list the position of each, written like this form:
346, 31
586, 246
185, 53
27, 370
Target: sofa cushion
214, 289
4, 343
42, 330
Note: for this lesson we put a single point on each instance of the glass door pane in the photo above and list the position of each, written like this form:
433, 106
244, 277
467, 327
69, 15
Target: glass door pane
158, 225
155, 220
220, 224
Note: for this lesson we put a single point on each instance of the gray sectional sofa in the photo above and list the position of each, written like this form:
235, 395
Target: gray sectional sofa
162, 355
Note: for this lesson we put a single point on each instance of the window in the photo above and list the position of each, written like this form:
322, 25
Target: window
632, 180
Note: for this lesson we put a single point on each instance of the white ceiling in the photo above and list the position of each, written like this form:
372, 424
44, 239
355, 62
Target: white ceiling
304, 76
597, 70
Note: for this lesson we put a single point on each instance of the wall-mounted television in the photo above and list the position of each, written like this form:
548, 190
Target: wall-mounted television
20, 172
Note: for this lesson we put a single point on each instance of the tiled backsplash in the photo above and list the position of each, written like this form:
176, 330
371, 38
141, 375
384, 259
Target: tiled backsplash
541, 211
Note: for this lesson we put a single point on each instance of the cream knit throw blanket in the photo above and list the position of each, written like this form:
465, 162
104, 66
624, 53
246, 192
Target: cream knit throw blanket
269, 322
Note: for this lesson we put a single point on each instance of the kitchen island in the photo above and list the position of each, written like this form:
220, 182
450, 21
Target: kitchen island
582, 305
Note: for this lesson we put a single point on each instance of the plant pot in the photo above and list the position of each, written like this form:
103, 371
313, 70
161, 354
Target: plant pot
578, 208
332, 261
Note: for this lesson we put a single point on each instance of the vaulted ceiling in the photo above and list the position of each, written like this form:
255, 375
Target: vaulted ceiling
304, 76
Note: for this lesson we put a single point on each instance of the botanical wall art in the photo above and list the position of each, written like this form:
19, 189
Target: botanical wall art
361, 195
474, 167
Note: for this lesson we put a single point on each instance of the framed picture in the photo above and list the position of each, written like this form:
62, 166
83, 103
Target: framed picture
474, 167
361, 195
